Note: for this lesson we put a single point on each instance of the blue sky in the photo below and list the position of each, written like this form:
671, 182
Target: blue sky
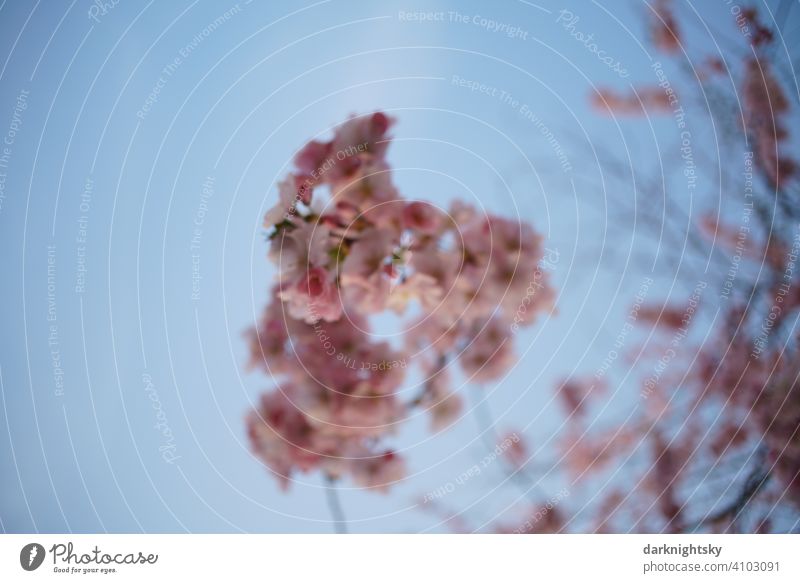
130, 111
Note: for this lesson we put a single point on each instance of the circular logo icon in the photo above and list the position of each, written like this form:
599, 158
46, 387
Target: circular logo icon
31, 556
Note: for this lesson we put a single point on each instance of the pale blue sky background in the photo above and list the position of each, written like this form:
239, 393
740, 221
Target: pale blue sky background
242, 100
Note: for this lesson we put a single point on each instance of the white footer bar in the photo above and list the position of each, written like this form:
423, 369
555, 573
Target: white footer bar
400, 558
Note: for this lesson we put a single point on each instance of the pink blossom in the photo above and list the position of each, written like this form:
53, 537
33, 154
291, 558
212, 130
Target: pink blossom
370, 186
442, 404
367, 132
293, 250
379, 472
516, 452
644, 100
313, 157
369, 254
576, 392
286, 208
368, 295
421, 217
489, 352
433, 334
281, 435
462, 213
313, 296
418, 287
664, 28
440, 265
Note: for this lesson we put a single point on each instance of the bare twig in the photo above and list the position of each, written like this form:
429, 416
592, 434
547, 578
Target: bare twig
335, 506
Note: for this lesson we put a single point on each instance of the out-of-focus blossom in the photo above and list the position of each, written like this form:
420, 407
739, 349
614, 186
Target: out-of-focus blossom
667, 317
313, 157
313, 296
293, 250
489, 353
366, 135
365, 251
443, 405
421, 217
281, 435
759, 34
575, 392
766, 106
516, 452
417, 286
366, 190
368, 254
544, 519
644, 100
591, 453
777, 410
286, 208
665, 470
664, 27
380, 472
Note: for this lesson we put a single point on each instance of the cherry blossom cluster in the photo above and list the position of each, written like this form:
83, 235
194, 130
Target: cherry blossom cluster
348, 246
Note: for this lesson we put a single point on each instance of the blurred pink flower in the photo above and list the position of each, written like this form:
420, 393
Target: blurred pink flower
380, 472
421, 217
366, 251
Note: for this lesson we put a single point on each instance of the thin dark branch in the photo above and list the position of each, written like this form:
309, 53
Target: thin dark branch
755, 481
335, 505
